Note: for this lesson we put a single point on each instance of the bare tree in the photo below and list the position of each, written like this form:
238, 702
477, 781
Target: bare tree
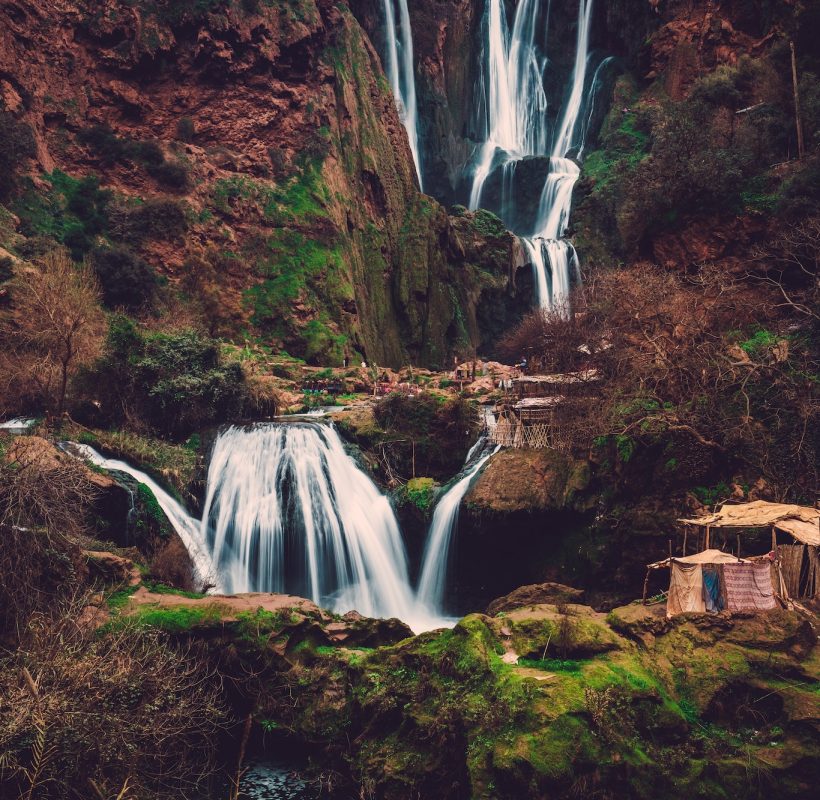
55, 325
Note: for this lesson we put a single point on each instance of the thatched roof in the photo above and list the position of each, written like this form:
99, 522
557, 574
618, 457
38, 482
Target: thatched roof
802, 522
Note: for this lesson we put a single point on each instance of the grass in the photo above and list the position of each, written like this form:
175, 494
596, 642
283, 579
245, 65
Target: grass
175, 464
176, 619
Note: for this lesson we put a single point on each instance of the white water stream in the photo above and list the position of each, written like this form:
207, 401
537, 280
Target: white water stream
517, 125
401, 72
287, 510
183, 523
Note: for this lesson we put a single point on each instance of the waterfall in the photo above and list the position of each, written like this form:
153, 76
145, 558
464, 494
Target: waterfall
513, 112
400, 71
288, 510
434, 563
186, 526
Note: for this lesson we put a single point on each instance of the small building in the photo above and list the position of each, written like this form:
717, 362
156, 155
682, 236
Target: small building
559, 383
795, 537
713, 580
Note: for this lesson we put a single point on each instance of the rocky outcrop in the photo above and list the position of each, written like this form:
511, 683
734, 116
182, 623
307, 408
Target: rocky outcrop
535, 594
278, 136
543, 701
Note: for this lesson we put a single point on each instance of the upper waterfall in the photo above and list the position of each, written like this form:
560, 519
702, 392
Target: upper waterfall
401, 72
513, 111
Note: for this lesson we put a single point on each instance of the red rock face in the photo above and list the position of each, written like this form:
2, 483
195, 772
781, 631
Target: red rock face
698, 36
263, 89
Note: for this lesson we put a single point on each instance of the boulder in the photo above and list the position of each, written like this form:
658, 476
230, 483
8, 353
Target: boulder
535, 594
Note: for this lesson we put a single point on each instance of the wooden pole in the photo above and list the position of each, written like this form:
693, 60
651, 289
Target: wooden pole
685, 534
646, 585
738, 545
706, 546
797, 117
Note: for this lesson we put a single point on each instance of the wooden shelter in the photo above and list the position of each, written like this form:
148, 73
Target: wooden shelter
796, 560
526, 386
713, 581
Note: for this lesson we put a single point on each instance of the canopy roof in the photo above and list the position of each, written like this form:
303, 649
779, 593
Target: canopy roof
584, 376
802, 522
540, 402
704, 557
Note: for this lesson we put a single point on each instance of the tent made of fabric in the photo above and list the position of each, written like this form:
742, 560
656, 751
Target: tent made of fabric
801, 522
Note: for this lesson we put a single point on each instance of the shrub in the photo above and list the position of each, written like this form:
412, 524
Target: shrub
105, 715
127, 281
16, 145
44, 500
186, 130
154, 219
173, 382
171, 174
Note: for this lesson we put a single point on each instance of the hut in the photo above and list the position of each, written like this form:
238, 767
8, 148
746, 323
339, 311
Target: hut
713, 581
526, 386
795, 532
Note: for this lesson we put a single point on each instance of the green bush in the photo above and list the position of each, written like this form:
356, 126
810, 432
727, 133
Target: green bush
74, 212
175, 382
154, 219
112, 149
126, 280
171, 174
186, 130
16, 145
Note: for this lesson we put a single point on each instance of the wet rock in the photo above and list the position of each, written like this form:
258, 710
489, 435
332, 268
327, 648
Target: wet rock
535, 594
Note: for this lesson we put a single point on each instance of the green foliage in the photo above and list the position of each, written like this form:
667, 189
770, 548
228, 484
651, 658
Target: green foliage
186, 130
127, 281
429, 432
712, 496
419, 492
6, 268
112, 149
761, 341
176, 382
16, 145
626, 447
152, 219
74, 212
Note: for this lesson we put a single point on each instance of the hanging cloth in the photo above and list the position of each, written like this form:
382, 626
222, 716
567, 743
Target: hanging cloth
685, 589
748, 587
791, 562
712, 590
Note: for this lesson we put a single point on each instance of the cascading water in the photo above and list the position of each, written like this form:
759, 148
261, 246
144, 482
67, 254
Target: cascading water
183, 523
400, 71
433, 573
513, 112
288, 510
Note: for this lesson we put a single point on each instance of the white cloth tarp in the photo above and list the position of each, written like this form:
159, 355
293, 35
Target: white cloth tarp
685, 589
802, 522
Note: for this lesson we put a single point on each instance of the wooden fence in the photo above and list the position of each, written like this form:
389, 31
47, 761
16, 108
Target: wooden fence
510, 432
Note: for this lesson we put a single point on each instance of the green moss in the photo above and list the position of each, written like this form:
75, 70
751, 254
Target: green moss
420, 492
156, 587
119, 599
176, 619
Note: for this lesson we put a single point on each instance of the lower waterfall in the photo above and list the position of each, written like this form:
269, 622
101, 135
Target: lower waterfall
186, 526
288, 510
433, 575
